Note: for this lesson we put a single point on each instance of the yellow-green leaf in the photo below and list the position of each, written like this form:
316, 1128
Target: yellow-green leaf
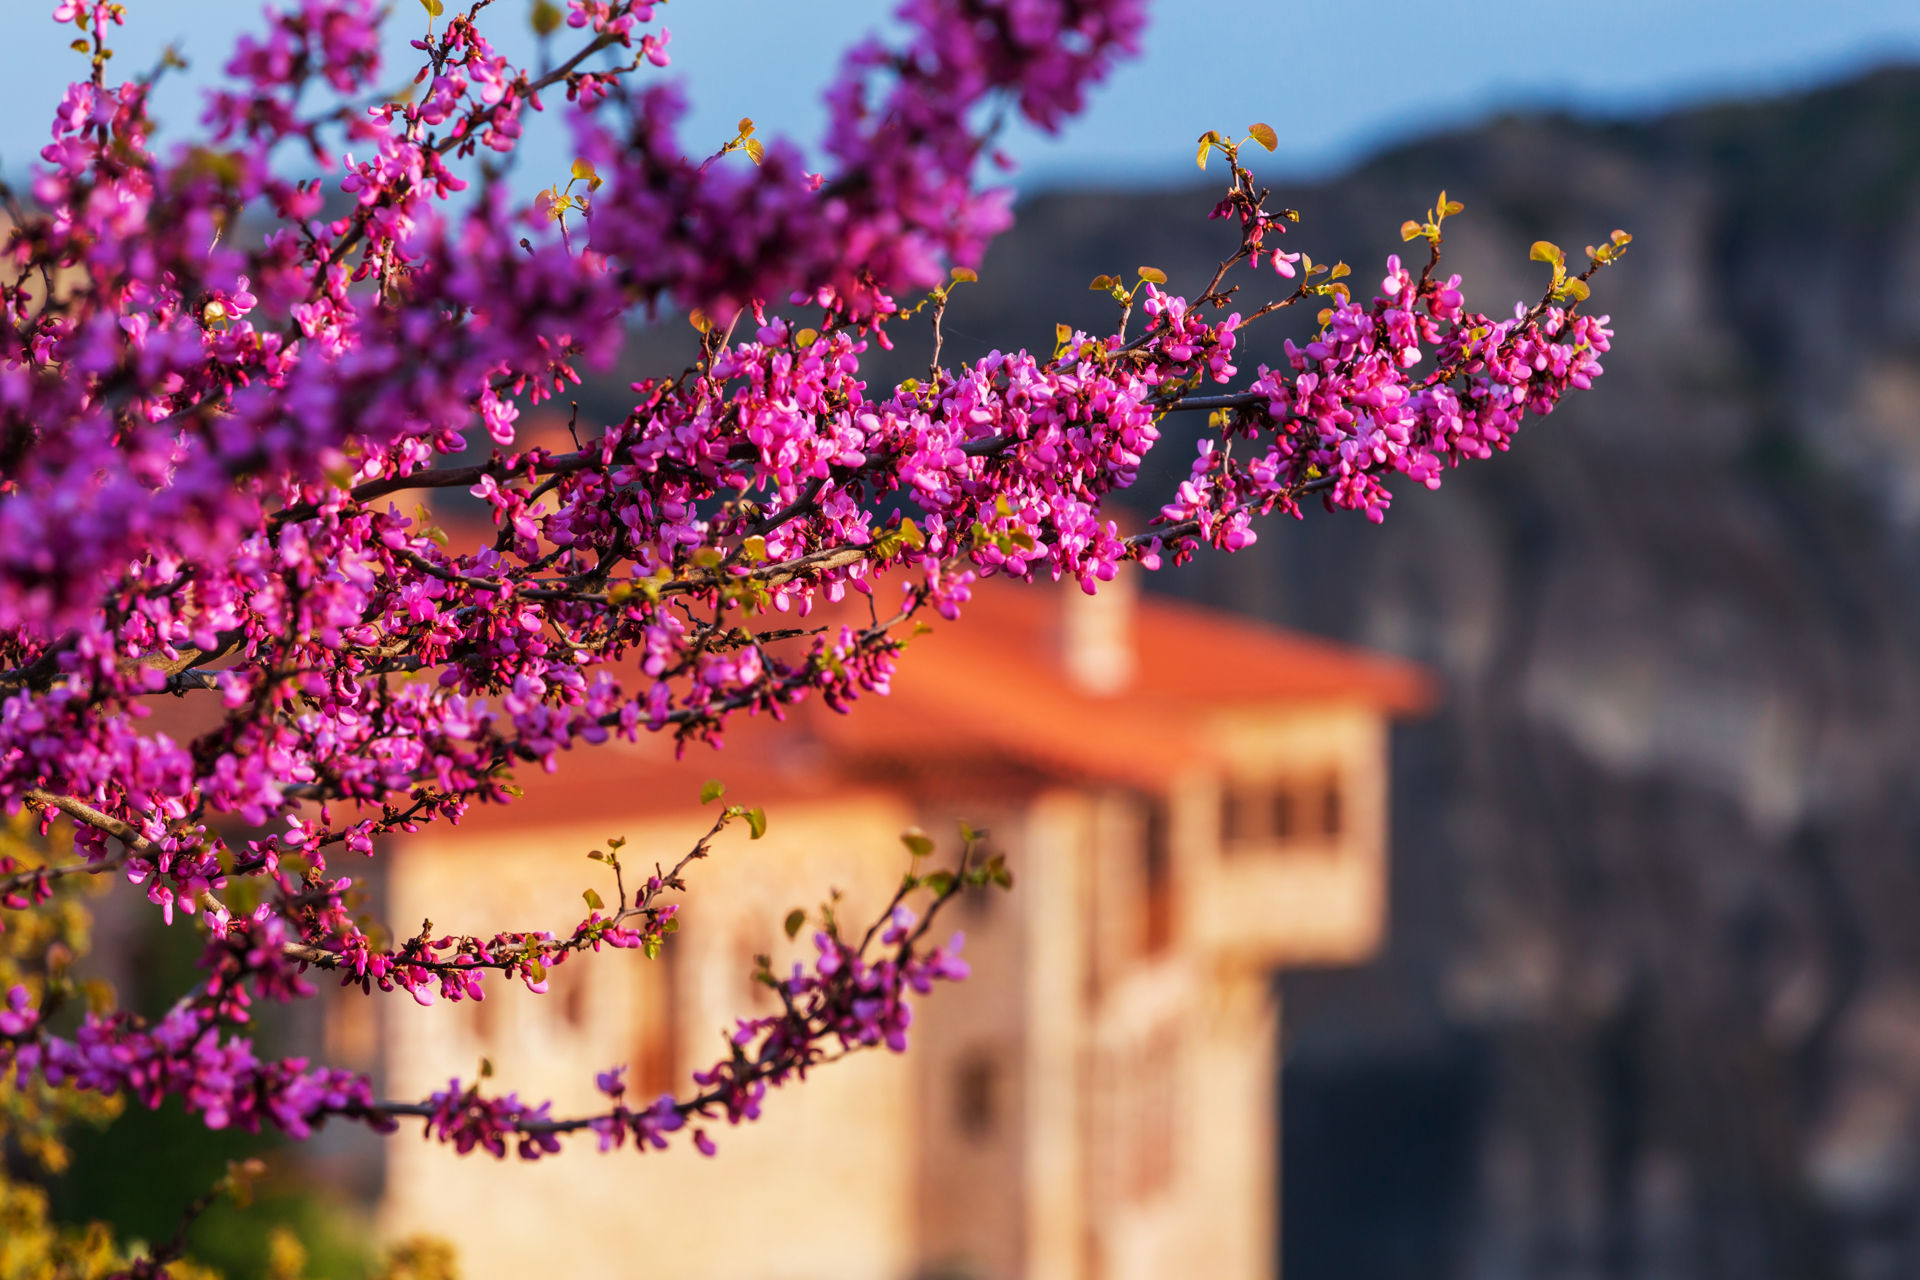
1547, 251
1101, 284
1576, 288
918, 842
757, 821
756, 149
593, 900
1153, 275
432, 7
1062, 334
806, 338
1410, 230
1264, 135
712, 790
796, 920
754, 548
966, 274
546, 18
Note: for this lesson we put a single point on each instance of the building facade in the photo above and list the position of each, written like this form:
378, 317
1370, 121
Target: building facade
1188, 802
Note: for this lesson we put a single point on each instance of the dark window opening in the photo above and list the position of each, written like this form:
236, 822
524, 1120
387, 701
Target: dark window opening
484, 1022
572, 981
1287, 811
1285, 820
976, 1088
1156, 886
1330, 814
657, 1050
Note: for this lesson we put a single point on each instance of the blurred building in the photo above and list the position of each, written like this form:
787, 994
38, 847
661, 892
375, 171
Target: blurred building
1188, 802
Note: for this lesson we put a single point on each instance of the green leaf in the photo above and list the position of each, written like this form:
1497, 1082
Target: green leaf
970, 833
754, 548
1101, 284
757, 821
433, 8
546, 18
966, 275
593, 900
806, 338
796, 920
1153, 275
941, 882
712, 790
918, 842
1264, 135
1411, 230
1547, 251
486, 1068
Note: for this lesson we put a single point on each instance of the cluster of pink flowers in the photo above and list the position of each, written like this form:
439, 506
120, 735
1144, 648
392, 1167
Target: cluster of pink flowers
845, 1001
218, 380
216, 1075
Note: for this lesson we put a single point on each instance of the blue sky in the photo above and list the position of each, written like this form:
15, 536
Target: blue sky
1335, 78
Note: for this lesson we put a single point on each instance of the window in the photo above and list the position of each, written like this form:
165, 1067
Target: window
482, 1013
1285, 811
976, 1095
572, 980
1330, 808
1156, 880
656, 1049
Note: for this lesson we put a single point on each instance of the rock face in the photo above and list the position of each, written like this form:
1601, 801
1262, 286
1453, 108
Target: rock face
1652, 1006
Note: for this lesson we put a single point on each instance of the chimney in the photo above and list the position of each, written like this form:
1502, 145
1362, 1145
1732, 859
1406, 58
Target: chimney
1098, 647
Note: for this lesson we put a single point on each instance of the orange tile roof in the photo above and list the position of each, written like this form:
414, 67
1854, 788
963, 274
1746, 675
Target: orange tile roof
991, 692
